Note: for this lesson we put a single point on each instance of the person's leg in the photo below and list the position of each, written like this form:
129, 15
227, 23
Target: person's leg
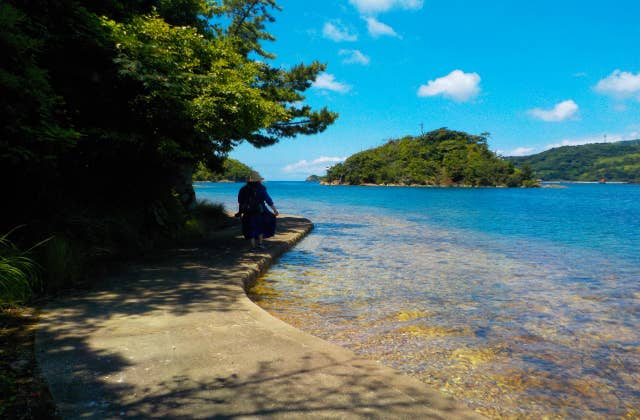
260, 238
255, 229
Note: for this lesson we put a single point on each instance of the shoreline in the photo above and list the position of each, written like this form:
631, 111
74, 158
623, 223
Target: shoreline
179, 337
415, 186
541, 184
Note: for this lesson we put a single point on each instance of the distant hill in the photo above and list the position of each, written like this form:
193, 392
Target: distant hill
441, 158
590, 162
313, 178
232, 170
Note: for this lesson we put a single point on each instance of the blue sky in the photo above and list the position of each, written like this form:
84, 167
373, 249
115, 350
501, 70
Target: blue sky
534, 74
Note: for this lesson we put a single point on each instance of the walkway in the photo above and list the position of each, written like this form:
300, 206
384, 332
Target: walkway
178, 338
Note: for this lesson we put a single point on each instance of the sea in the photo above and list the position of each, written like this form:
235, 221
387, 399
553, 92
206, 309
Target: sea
522, 303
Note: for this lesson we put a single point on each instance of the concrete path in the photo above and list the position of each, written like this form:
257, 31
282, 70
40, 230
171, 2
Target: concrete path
178, 338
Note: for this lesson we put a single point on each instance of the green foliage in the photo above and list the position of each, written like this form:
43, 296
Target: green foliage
29, 106
107, 107
232, 170
236, 171
193, 231
202, 173
618, 161
202, 82
204, 79
442, 157
206, 210
205, 217
147, 87
34, 134
247, 28
19, 273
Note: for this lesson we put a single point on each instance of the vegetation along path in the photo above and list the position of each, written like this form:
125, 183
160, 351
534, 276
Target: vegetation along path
178, 338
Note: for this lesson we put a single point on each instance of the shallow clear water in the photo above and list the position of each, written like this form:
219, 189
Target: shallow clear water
523, 303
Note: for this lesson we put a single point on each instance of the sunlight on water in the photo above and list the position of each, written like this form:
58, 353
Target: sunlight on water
526, 333
522, 303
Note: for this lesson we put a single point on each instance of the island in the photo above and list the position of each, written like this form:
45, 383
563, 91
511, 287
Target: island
232, 171
596, 162
441, 157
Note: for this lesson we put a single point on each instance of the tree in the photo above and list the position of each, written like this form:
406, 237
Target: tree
33, 132
203, 77
111, 105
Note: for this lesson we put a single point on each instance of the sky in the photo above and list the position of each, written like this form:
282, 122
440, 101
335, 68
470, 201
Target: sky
534, 74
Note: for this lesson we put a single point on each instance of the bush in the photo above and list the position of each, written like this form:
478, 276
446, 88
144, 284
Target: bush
62, 262
193, 231
205, 217
206, 210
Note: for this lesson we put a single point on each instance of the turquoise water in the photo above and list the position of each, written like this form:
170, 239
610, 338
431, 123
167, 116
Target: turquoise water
523, 303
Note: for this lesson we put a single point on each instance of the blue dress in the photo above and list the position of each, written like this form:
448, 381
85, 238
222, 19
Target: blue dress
256, 218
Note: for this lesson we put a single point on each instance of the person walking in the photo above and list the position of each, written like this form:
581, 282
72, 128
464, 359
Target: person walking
258, 222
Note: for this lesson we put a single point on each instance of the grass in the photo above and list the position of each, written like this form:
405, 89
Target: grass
23, 393
19, 274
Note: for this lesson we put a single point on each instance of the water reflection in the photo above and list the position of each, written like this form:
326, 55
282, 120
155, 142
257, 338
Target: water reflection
516, 329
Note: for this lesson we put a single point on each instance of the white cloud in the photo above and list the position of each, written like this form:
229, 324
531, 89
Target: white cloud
337, 32
620, 85
620, 107
327, 81
377, 29
457, 85
521, 151
561, 112
375, 6
354, 57
317, 166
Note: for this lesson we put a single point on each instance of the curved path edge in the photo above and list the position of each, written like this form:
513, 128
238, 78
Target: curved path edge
177, 337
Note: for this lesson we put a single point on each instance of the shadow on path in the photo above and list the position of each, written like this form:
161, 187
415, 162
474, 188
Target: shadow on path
178, 338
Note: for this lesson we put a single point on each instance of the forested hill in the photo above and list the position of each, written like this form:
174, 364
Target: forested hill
590, 162
439, 158
232, 170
